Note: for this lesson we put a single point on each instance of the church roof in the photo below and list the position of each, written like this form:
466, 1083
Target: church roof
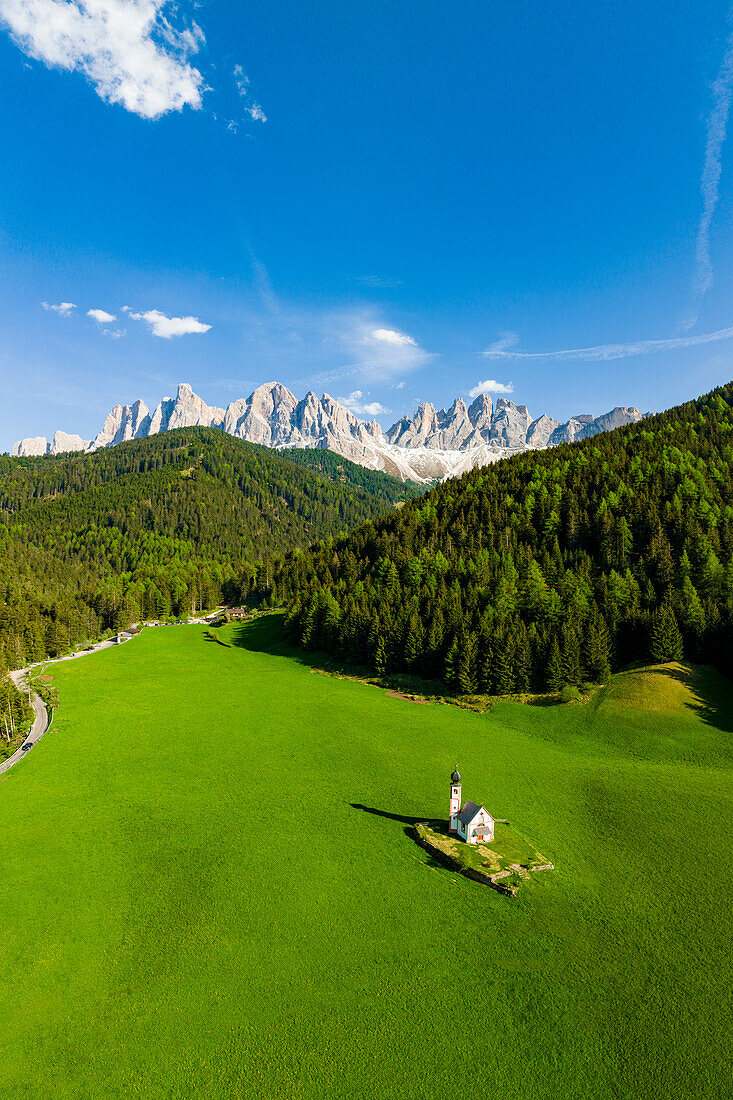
468, 812
456, 776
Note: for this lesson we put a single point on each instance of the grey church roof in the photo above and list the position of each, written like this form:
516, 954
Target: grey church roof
468, 812
456, 776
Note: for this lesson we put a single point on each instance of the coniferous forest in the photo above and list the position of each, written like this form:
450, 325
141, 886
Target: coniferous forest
546, 570
157, 527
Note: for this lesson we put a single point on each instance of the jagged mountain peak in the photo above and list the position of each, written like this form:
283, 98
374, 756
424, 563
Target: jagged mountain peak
430, 444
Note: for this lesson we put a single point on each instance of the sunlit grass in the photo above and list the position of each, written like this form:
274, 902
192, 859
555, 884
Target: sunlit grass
197, 901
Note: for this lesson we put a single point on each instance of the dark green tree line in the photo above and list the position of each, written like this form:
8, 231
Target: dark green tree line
547, 569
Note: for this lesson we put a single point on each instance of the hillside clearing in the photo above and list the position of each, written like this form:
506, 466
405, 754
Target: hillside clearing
208, 889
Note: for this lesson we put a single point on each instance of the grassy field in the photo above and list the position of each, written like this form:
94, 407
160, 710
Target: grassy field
207, 889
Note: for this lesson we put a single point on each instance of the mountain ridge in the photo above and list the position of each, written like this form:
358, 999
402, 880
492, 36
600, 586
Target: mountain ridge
431, 445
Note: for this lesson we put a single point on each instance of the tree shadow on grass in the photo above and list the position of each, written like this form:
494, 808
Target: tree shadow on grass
265, 635
711, 693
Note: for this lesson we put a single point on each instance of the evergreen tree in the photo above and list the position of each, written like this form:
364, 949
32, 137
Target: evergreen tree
522, 659
597, 650
466, 674
554, 676
450, 670
504, 670
414, 642
380, 656
666, 640
692, 615
570, 656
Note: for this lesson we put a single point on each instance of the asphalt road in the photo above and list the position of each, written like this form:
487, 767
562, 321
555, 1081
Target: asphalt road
41, 721
40, 726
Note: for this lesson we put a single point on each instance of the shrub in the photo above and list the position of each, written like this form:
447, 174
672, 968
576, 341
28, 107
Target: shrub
569, 694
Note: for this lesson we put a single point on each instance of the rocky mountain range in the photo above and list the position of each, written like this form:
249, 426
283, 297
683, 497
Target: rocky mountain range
432, 444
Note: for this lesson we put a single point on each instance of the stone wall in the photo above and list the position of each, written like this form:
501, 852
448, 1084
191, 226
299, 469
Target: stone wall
475, 874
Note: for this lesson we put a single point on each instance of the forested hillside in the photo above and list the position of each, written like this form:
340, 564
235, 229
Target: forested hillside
544, 570
165, 525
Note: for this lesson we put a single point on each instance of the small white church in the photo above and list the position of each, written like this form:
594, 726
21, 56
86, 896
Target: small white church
471, 822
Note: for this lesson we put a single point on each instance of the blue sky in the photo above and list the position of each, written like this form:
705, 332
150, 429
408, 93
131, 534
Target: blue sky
363, 198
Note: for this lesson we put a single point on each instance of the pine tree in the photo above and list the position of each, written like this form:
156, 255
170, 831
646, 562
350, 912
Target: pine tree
466, 672
486, 669
597, 655
308, 623
414, 641
380, 656
692, 615
666, 640
554, 673
450, 667
522, 659
570, 653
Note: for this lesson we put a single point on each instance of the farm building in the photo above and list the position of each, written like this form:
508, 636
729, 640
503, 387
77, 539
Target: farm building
471, 822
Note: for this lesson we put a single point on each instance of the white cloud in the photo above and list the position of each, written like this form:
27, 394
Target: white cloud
128, 49
114, 334
253, 109
490, 386
376, 353
166, 327
505, 341
355, 403
710, 182
101, 316
241, 80
63, 308
603, 352
393, 337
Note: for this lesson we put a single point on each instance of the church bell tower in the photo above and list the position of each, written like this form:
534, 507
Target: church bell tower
455, 799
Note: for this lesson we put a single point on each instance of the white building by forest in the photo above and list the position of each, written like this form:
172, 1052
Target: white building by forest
471, 822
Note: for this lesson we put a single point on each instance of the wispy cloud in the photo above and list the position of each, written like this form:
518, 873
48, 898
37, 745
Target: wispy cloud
166, 327
710, 182
101, 316
491, 386
392, 337
251, 107
506, 340
129, 50
369, 351
355, 403
603, 352
63, 308
378, 282
379, 353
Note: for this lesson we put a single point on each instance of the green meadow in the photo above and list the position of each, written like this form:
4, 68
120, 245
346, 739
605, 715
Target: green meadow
207, 888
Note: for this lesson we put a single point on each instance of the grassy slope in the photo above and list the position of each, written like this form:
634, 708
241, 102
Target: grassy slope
162, 937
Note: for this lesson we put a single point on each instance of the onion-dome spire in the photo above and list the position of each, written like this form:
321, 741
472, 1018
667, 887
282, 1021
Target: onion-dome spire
456, 777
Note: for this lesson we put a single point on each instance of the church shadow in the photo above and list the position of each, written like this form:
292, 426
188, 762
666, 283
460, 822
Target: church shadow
402, 818
408, 828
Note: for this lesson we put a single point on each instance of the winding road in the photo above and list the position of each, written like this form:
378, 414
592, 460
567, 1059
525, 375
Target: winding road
41, 722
